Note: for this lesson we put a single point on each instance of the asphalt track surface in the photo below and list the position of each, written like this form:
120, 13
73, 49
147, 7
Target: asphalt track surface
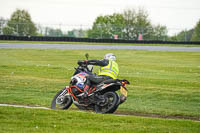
96, 47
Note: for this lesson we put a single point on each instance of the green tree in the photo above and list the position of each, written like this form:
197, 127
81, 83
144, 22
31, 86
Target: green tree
158, 32
21, 24
196, 34
53, 32
127, 25
184, 35
8, 30
77, 33
107, 26
136, 22
71, 34
2, 24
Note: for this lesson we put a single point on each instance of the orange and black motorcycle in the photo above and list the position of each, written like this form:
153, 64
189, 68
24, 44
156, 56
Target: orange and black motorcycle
102, 97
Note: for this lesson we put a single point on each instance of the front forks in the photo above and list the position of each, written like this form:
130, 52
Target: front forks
61, 97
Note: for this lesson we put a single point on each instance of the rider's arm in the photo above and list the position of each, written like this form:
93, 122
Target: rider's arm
98, 62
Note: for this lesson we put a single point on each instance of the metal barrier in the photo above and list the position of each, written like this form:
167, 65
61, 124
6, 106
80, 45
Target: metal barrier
72, 39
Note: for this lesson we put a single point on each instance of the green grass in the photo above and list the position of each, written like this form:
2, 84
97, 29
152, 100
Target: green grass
166, 83
21, 120
93, 43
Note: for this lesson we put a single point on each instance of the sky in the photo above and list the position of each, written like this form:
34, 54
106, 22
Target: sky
175, 14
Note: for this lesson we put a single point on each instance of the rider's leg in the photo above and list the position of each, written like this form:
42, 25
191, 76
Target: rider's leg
98, 79
94, 79
87, 86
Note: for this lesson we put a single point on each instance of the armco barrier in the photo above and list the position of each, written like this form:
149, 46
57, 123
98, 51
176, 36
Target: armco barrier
72, 39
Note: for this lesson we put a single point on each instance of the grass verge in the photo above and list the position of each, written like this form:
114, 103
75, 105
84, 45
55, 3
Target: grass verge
21, 120
164, 83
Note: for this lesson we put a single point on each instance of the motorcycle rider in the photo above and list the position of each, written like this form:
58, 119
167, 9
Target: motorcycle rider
108, 70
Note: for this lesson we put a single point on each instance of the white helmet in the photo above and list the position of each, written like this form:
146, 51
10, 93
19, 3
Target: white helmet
110, 56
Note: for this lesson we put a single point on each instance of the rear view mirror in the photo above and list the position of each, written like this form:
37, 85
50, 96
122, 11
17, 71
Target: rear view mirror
87, 56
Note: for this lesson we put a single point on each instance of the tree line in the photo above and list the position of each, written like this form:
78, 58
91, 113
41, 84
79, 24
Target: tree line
128, 25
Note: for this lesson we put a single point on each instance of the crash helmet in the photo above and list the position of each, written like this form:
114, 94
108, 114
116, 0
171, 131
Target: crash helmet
110, 56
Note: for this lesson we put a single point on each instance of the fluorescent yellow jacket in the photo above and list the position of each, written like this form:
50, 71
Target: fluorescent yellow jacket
110, 70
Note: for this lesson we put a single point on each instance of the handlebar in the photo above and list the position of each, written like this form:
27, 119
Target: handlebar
83, 67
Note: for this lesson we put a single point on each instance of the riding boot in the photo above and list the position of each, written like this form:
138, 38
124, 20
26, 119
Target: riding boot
86, 89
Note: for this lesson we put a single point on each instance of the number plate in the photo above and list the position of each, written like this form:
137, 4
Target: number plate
124, 92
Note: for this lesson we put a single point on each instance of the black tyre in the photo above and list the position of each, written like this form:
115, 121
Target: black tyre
110, 105
61, 100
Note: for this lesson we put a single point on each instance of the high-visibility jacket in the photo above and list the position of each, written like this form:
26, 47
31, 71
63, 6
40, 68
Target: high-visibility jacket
110, 70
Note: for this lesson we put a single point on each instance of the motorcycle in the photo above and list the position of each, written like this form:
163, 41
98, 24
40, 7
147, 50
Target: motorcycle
102, 97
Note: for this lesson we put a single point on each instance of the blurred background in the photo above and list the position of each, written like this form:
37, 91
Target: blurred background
128, 20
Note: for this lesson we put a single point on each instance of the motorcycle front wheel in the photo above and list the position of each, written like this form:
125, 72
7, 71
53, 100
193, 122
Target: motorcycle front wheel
109, 105
62, 100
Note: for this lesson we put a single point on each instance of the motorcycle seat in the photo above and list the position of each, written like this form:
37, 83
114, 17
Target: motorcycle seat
109, 81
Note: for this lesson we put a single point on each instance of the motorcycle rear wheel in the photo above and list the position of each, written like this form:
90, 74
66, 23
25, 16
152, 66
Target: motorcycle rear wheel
110, 105
61, 101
